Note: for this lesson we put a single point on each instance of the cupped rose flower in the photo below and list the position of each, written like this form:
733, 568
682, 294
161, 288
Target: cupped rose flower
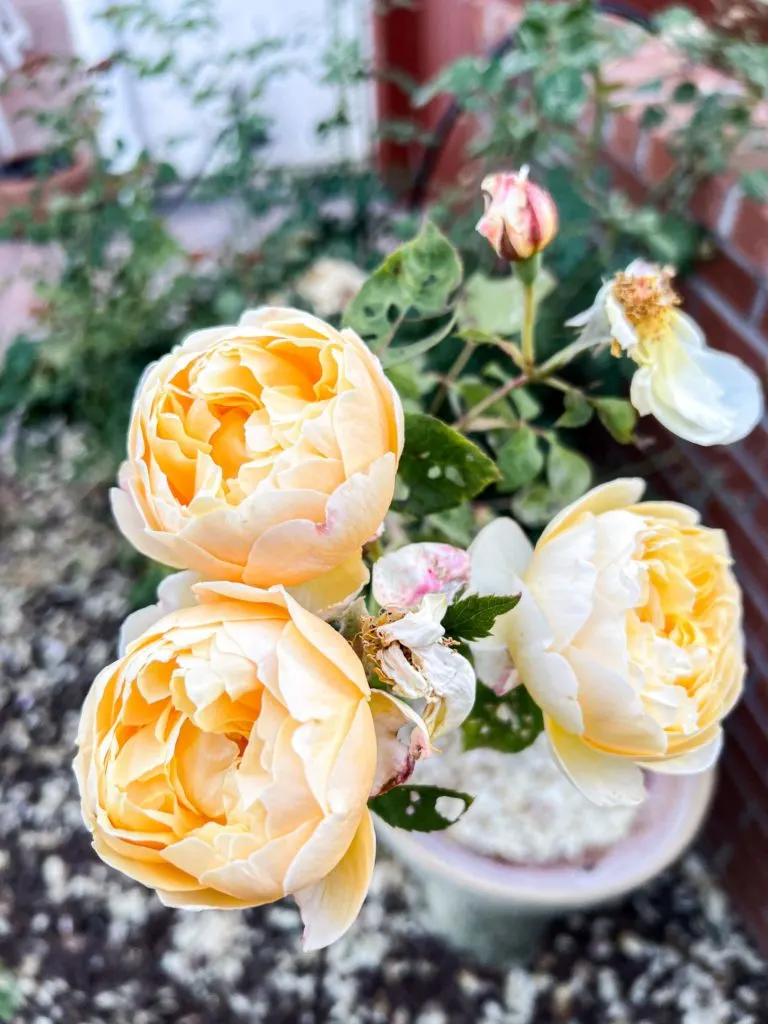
409, 653
227, 757
700, 394
402, 578
520, 217
628, 635
264, 453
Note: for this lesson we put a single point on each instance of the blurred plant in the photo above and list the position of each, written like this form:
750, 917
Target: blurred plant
548, 97
127, 287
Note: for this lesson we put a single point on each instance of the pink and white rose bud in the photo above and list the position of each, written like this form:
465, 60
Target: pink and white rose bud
520, 217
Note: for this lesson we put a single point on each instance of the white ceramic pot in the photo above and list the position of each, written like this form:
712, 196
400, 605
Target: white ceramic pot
497, 912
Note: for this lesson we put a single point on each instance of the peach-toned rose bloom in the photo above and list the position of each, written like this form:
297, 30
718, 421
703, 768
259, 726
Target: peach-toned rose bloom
628, 634
264, 453
227, 758
520, 217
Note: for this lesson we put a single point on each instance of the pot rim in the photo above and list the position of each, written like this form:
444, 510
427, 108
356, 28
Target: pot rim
668, 822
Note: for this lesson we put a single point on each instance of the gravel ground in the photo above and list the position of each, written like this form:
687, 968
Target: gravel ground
82, 945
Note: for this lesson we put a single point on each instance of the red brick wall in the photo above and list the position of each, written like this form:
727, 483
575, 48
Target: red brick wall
728, 296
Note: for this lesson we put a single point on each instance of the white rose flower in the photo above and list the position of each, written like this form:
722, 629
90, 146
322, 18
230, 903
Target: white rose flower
702, 395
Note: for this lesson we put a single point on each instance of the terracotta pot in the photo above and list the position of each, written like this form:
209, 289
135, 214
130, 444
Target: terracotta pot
497, 912
36, 192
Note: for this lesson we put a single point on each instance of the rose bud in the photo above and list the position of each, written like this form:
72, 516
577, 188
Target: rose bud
520, 217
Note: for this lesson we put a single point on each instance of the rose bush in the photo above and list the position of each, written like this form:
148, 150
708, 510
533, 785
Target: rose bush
628, 634
227, 757
264, 453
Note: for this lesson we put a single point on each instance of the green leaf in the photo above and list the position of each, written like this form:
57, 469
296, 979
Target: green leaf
568, 472
473, 617
412, 381
520, 459
440, 468
755, 185
16, 372
494, 305
421, 275
618, 416
562, 95
409, 353
578, 411
528, 407
674, 240
415, 809
534, 505
509, 723
686, 92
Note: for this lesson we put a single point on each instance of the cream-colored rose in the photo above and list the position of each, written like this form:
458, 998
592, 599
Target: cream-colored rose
227, 757
264, 453
628, 634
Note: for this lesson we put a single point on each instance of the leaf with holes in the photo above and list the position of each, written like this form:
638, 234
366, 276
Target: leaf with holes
520, 459
568, 472
509, 723
420, 275
439, 468
417, 808
473, 617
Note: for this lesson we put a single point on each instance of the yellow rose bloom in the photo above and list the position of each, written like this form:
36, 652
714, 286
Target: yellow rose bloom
264, 453
628, 634
227, 757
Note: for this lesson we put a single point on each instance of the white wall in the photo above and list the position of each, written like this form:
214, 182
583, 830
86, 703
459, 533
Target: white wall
149, 113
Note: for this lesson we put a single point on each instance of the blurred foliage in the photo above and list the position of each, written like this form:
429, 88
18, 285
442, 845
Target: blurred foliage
128, 290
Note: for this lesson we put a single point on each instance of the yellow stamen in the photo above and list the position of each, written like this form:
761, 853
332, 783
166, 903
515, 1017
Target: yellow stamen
647, 298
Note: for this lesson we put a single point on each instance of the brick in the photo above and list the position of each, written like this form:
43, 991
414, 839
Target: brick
709, 199
623, 137
754, 615
755, 448
750, 234
625, 181
750, 781
657, 163
720, 333
730, 281
749, 735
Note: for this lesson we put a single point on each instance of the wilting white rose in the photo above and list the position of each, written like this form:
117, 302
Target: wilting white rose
628, 634
410, 654
702, 395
